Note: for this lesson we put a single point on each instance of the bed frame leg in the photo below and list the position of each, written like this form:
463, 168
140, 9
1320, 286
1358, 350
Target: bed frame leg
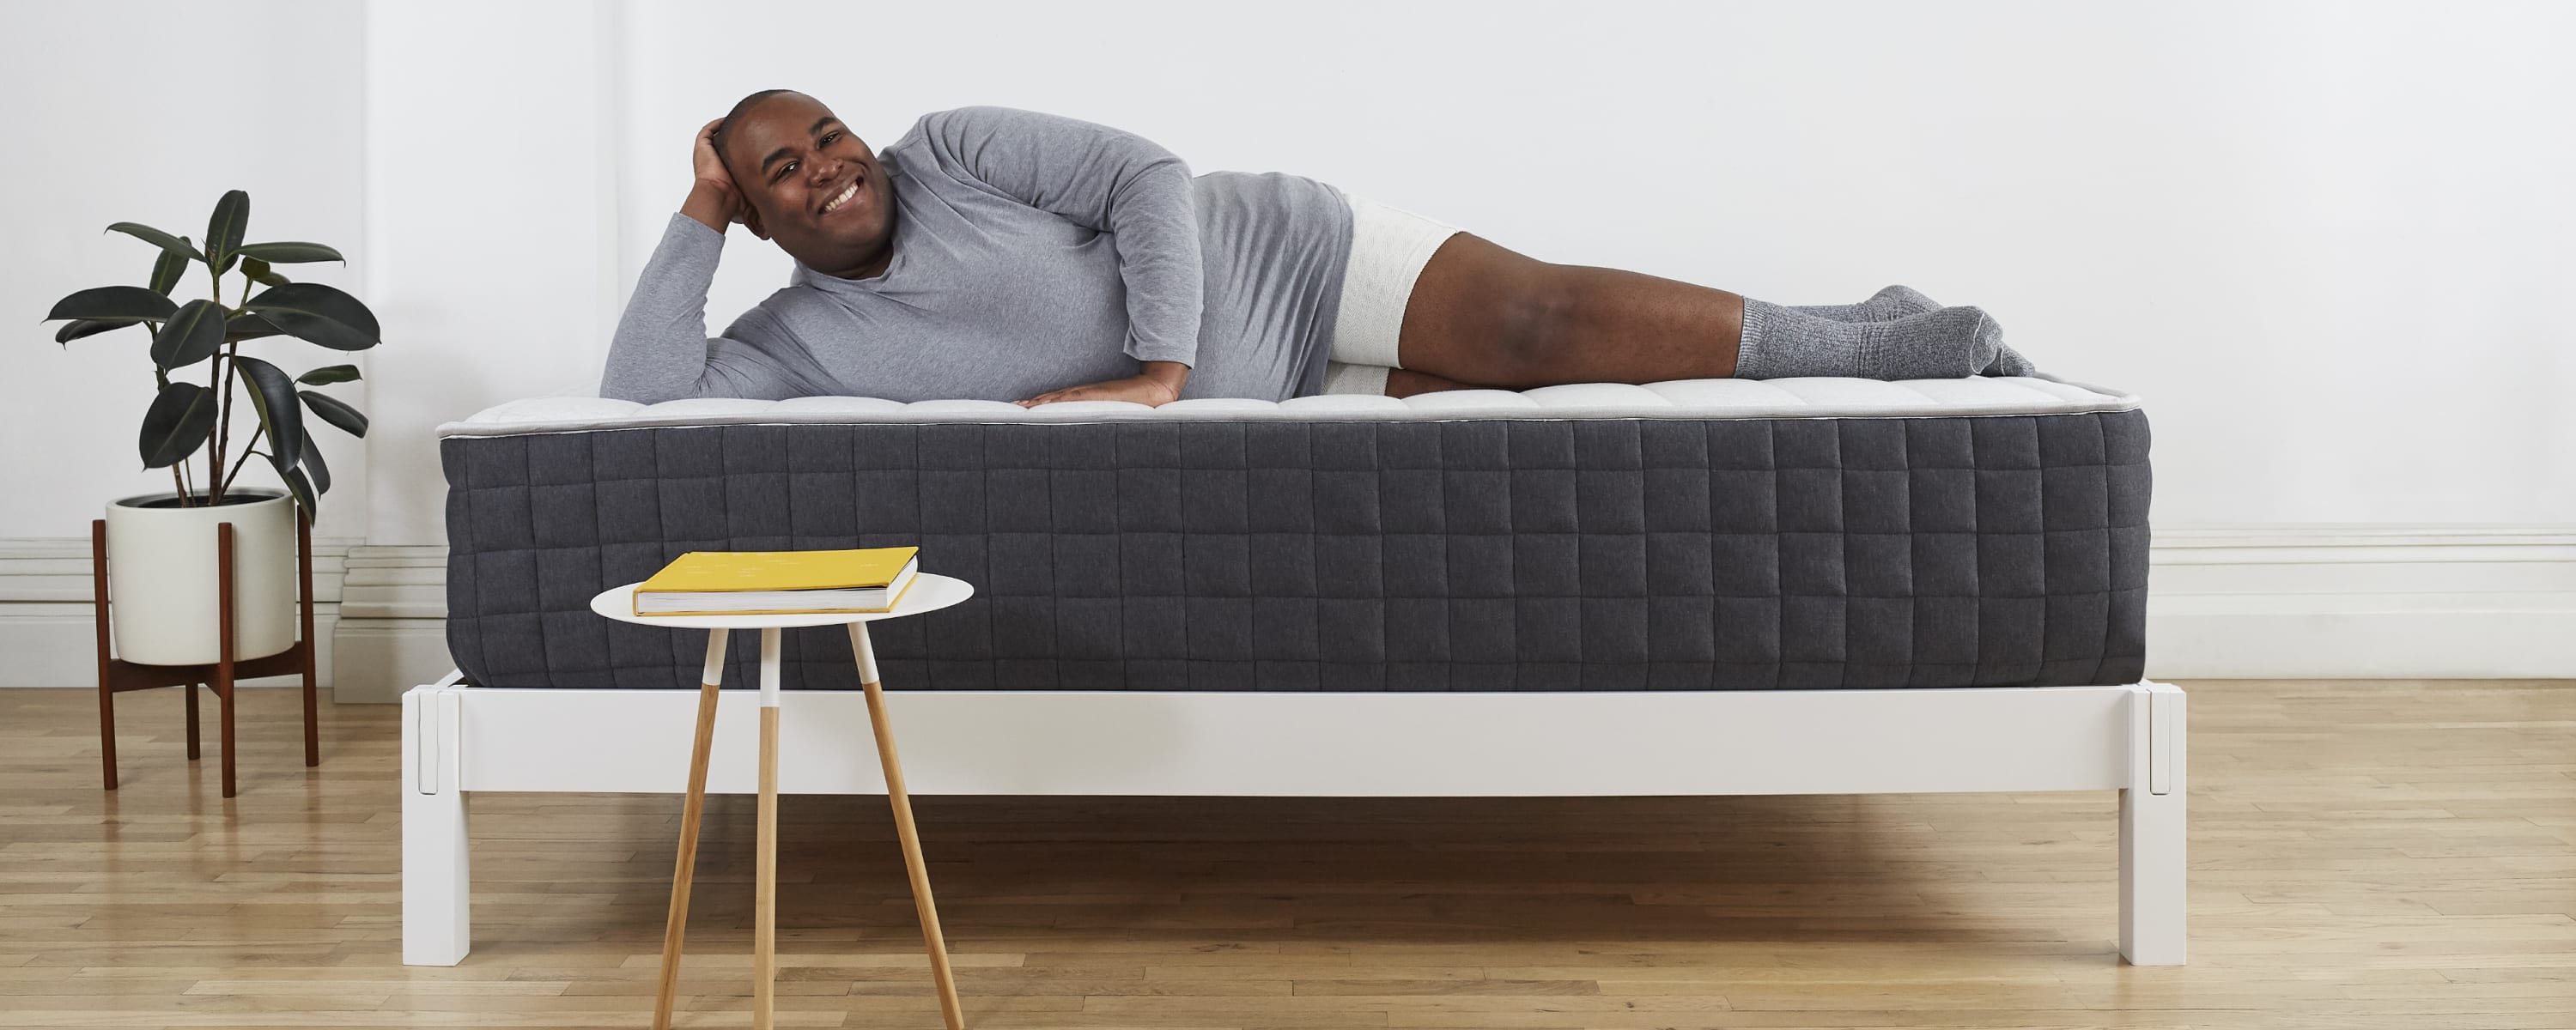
2153, 868
436, 922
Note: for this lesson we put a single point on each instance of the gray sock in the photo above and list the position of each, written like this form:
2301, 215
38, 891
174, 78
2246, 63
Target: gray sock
1886, 305
1939, 344
1898, 301
2009, 362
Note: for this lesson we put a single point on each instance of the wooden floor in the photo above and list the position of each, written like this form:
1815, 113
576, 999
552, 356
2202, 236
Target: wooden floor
2363, 855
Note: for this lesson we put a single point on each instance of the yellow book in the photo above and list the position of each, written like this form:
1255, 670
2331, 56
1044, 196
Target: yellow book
864, 581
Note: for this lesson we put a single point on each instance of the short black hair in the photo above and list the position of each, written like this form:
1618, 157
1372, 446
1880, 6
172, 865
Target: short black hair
717, 138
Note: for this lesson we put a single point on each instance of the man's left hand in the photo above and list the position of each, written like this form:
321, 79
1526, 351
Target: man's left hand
1144, 390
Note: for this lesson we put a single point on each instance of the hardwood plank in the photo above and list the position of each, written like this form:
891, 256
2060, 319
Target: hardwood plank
2364, 854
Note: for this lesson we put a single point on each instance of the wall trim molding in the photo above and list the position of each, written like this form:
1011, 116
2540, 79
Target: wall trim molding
2362, 601
2282, 600
45, 617
2362, 542
392, 634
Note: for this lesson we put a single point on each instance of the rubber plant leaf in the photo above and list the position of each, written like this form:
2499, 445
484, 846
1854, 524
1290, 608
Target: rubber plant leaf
176, 424
296, 484
80, 327
332, 410
258, 272
247, 327
114, 304
169, 244
167, 268
290, 253
273, 394
329, 374
191, 336
224, 230
315, 469
317, 314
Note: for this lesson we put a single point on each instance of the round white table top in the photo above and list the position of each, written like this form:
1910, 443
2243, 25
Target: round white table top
929, 592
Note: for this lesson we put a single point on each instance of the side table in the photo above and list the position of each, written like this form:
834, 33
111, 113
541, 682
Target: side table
927, 593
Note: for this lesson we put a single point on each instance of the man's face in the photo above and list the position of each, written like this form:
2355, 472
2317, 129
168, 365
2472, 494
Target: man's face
819, 190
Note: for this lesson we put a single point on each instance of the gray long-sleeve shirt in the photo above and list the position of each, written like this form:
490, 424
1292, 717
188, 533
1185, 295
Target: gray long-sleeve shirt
1031, 253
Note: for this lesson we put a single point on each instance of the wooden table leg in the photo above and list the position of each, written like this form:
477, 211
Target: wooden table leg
675, 929
903, 828
764, 953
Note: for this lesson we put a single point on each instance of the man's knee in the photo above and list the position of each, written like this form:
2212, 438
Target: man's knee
1484, 314
1405, 382
1538, 315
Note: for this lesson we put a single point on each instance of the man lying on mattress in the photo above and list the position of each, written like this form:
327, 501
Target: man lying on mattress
1009, 255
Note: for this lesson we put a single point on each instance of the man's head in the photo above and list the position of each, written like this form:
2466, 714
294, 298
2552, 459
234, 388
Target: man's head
816, 187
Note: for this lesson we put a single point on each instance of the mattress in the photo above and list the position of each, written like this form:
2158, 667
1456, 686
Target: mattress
1689, 535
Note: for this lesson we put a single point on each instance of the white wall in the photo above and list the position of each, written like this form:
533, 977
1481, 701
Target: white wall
2197, 201
2328, 241
2321, 238
488, 191
148, 114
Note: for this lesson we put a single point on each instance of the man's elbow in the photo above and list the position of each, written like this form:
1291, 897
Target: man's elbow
624, 388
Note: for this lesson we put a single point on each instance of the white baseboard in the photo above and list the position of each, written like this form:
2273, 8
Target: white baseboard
2362, 601
393, 624
46, 628
56, 645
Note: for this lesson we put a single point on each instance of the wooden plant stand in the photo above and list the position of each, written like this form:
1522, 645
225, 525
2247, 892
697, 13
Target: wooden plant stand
116, 675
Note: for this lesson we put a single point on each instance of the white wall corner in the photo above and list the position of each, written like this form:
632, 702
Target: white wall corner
492, 284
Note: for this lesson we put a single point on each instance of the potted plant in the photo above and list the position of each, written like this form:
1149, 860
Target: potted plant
161, 547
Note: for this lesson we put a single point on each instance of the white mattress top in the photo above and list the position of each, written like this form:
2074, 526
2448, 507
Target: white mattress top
1680, 398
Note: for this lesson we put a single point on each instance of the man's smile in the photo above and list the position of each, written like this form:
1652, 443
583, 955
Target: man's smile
847, 194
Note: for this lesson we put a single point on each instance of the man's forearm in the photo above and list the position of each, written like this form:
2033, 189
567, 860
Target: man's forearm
660, 350
1171, 374
709, 205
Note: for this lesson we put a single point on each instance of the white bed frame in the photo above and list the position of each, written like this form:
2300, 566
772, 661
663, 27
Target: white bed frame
458, 738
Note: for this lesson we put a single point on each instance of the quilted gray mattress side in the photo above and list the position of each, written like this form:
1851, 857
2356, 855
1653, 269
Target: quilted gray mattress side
1499, 554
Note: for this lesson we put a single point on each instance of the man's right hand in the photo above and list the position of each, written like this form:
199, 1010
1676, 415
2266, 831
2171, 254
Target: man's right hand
714, 200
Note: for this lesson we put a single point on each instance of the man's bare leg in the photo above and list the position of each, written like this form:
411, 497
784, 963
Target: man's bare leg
1483, 314
1405, 382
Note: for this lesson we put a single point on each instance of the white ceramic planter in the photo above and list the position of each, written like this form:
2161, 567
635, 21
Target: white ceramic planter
161, 578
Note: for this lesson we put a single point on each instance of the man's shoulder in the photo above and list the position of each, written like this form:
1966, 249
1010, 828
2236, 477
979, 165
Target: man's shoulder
946, 123
798, 295
973, 124
786, 308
